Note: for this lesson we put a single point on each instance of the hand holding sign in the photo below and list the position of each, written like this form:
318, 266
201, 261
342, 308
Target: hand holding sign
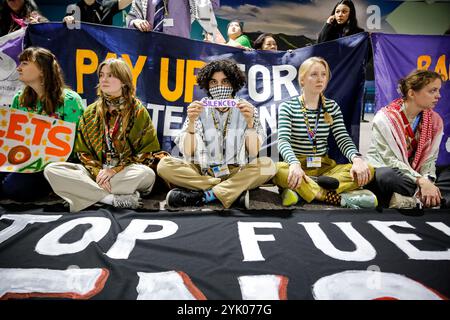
194, 110
219, 103
245, 107
247, 110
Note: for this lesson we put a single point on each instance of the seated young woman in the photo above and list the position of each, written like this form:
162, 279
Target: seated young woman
45, 94
115, 142
406, 135
304, 124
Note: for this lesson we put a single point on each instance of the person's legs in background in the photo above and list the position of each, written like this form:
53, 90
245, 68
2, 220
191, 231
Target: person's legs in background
443, 183
24, 187
389, 181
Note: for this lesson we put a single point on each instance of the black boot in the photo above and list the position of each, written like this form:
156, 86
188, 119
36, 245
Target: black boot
328, 183
243, 202
184, 198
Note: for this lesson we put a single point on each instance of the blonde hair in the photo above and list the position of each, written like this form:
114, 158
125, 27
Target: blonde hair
120, 70
307, 65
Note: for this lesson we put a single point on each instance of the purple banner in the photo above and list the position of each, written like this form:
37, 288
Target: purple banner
395, 56
10, 47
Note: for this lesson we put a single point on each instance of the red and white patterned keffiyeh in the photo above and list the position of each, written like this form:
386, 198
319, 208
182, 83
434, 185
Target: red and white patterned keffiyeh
431, 124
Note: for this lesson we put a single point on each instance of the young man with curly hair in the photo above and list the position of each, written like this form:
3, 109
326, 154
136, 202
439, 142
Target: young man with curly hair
220, 145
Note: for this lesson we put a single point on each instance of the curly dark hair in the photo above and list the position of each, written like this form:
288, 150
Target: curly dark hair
231, 70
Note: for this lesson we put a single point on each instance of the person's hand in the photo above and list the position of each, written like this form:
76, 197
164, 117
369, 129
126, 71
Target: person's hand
296, 176
360, 172
429, 194
330, 19
104, 177
142, 25
194, 110
233, 43
247, 110
34, 17
69, 19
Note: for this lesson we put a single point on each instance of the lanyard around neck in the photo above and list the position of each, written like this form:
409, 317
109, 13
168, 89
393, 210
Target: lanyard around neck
227, 122
311, 131
410, 130
111, 132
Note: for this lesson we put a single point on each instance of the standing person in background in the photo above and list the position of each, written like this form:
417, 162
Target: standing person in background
341, 23
97, 11
16, 14
406, 136
168, 16
45, 94
236, 36
304, 125
115, 142
265, 41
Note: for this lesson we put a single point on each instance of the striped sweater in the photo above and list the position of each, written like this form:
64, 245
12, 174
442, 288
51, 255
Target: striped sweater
293, 138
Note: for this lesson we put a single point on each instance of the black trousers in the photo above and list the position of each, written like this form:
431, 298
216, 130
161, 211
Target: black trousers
390, 180
443, 183
24, 187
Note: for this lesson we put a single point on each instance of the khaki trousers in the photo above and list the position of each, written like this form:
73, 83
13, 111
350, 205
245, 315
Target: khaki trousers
227, 189
74, 183
308, 191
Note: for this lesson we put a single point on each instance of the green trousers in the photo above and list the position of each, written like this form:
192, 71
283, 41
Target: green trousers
309, 189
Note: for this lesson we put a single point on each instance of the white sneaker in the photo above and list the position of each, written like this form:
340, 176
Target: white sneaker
131, 201
399, 201
359, 199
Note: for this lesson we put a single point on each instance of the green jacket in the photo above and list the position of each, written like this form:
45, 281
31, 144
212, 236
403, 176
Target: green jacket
137, 147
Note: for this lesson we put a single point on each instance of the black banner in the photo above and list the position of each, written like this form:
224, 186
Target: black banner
231, 255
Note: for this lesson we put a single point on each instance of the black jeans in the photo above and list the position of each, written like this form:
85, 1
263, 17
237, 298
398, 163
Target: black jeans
24, 187
443, 183
390, 180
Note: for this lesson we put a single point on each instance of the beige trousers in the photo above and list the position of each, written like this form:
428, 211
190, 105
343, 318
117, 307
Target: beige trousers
74, 183
227, 189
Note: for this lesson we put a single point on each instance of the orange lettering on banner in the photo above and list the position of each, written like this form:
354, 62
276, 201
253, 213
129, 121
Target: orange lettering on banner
111, 55
2, 156
182, 80
65, 147
423, 62
441, 68
82, 68
175, 94
24, 152
191, 79
41, 126
137, 68
15, 124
